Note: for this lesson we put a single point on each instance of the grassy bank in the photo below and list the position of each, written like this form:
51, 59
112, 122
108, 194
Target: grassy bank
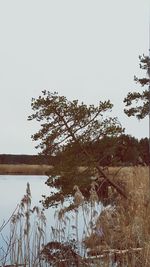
23, 169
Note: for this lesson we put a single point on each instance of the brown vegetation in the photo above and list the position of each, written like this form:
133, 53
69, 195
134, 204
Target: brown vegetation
125, 226
119, 234
24, 169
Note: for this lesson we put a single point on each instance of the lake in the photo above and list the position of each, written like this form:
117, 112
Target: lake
12, 190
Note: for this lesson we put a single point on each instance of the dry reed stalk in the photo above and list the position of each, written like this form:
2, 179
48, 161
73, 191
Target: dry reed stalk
126, 224
27, 235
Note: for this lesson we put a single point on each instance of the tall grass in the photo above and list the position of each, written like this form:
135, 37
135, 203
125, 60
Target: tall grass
125, 225
86, 233
26, 235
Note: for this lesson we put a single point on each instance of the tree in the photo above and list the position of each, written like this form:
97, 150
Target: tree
67, 127
127, 150
144, 150
138, 103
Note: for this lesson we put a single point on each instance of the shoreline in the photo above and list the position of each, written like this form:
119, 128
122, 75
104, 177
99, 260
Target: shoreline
24, 169
43, 169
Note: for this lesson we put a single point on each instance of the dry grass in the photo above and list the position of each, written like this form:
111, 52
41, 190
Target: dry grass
121, 232
24, 169
126, 225
23, 243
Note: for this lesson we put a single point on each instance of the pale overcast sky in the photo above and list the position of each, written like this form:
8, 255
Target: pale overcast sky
84, 49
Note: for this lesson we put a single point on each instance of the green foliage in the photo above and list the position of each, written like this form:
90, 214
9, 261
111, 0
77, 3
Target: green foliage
138, 103
61, 120
68, 131
127, 150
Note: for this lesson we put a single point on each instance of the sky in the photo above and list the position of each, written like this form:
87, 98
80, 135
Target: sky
83, 49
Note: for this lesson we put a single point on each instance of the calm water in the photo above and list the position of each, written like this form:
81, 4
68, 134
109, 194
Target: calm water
13, 188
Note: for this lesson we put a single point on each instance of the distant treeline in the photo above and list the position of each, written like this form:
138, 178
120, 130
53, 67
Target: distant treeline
110, 151
26, 159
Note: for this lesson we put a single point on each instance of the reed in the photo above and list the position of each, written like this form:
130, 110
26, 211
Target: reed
125, 226
26, 237
118, 234
87, 233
